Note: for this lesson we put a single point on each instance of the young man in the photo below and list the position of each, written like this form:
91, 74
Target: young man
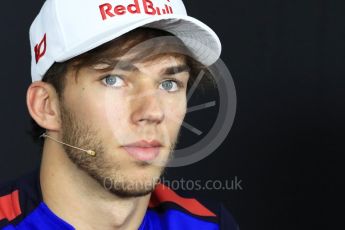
109, 92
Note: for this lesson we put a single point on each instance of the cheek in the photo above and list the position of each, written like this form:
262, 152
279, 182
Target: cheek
175, 111
91, 109
101, 109
114, 111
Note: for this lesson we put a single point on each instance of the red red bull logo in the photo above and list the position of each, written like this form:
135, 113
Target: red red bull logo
40, 49
137, 7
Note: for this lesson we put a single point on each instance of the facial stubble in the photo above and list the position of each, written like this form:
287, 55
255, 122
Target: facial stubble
106, 172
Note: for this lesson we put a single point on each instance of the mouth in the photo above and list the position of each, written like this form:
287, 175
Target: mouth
143, 150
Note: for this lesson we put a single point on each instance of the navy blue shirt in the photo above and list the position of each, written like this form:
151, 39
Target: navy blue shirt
22, 208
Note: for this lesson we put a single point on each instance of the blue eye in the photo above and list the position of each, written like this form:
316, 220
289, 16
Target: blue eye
113, 81
169, 85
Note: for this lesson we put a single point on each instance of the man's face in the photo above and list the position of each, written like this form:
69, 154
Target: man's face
108, 111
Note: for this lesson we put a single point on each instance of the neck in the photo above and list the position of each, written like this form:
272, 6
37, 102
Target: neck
90, 205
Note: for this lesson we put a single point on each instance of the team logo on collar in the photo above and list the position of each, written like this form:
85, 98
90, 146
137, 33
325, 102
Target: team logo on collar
137, 7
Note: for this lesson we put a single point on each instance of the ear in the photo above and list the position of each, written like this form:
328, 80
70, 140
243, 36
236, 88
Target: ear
43, 105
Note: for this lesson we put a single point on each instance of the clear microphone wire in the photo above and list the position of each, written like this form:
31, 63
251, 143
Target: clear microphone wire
90, 152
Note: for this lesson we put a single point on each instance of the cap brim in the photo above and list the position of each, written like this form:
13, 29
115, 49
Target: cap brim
201, 40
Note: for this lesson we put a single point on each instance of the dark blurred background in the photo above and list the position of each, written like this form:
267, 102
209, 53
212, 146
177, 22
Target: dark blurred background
287, 59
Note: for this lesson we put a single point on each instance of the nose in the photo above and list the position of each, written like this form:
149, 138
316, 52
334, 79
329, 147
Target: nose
147, 109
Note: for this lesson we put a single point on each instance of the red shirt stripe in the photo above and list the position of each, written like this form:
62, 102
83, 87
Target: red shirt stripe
163, 193
9, 206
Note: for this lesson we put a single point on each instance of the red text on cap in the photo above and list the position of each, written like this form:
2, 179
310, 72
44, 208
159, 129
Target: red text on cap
146, 6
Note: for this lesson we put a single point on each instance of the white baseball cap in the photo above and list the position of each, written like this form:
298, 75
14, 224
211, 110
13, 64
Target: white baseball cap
67, 28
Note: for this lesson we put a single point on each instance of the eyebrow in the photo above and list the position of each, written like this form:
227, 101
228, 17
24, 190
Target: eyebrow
177, 69
125, 65
128, 66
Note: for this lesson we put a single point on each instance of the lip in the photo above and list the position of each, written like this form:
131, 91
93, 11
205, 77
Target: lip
143, 150
145, 144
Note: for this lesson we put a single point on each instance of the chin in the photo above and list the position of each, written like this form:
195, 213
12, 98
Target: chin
133, 185
147, 174
131, 193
